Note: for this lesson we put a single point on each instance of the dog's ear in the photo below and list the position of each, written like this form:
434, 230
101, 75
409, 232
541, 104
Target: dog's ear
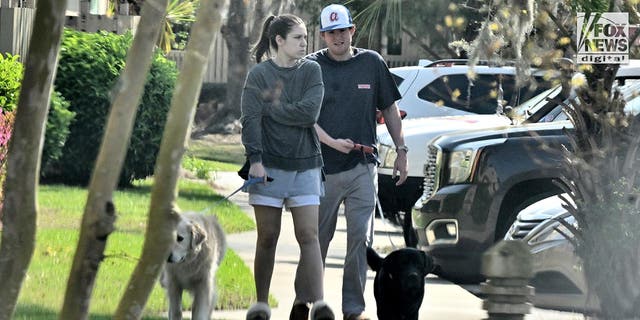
373, 259
198, 235
427, 263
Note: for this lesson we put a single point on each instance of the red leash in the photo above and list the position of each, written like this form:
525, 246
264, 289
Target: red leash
363, 148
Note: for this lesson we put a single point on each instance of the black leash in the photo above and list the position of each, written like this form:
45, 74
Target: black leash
244, 186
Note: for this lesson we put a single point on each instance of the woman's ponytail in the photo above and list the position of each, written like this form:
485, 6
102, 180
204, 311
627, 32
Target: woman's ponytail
262, 46
274, 26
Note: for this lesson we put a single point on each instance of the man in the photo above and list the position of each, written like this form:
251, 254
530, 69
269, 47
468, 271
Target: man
357, 83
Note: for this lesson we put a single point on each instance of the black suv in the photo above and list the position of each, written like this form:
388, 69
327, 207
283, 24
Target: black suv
477, 181
433, 108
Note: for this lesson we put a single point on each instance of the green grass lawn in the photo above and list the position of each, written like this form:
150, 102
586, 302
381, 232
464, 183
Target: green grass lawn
230, 153
60, 212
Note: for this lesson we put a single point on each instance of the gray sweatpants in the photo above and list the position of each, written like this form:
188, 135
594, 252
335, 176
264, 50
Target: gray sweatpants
356, 188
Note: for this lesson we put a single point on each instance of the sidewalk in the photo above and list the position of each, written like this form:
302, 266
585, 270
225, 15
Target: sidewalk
443, 299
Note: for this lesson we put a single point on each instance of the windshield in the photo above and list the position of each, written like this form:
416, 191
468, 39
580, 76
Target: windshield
531, 106
630, 90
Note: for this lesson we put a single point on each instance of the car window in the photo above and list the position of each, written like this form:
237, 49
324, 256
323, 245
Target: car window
562, 116
529, 91
455, 91
556, 114
631, 92
534, 104
633, 106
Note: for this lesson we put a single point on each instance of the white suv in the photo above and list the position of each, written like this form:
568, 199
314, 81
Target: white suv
441, 88
439, 98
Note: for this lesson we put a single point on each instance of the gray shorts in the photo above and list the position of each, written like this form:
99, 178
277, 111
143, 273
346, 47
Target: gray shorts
291, 202
291, 188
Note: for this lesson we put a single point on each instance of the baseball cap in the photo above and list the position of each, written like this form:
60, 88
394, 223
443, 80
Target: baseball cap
335, 16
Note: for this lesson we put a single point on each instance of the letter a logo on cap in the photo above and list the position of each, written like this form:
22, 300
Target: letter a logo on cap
334, 17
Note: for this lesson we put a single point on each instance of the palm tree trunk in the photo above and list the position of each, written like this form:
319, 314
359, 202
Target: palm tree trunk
162, 213
99, 213
25, 149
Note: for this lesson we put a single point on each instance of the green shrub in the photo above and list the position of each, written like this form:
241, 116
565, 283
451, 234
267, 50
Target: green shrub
90, 65
10, 77
200, 168
58, 120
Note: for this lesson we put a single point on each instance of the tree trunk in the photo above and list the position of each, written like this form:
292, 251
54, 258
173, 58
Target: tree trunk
285, 6
162, 214
25, 149
99, 212
238, 65
259, 15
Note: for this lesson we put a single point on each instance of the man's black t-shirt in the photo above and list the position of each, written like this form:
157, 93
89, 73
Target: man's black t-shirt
353, 90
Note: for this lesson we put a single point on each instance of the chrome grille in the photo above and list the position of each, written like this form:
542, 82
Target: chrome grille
521, 228
431, 172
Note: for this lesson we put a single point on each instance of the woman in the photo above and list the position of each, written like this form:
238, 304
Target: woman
280, 104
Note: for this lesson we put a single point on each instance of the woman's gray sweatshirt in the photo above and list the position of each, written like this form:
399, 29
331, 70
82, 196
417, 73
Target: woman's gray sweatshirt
279, 108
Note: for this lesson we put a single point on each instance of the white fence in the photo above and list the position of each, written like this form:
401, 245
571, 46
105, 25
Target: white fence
216, 68
15, 30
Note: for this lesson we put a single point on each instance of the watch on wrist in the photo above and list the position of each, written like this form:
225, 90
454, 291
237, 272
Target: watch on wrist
403, 148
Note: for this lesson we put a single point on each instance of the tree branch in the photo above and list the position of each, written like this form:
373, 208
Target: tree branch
562, 29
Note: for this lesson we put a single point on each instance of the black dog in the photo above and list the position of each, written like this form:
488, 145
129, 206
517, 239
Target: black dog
399, 283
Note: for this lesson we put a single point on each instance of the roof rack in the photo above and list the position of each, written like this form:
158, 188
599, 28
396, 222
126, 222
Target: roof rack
462, 62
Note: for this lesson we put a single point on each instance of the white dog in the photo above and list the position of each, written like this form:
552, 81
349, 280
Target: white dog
192, 264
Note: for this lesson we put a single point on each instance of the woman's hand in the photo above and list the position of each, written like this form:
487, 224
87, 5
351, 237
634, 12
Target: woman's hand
256, 170
342, 145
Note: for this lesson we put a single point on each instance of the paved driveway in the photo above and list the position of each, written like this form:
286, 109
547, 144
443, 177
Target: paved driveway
443, 299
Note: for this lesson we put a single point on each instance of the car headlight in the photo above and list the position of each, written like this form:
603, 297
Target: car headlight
387, 156
461, 165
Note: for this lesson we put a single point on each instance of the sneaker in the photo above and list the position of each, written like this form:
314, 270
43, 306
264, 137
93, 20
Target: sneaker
361, 316
321, 311
299, 311
259, 311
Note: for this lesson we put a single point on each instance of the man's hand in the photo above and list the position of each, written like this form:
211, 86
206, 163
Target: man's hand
401, 166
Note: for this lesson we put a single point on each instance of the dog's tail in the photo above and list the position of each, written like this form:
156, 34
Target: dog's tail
218, 236
222, 240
